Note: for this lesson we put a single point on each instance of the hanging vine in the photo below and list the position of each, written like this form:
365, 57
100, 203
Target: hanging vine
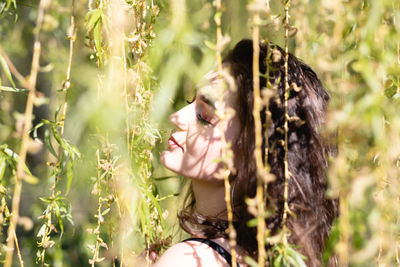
286, 209
225, 116
256, 21
11, 236
58, 209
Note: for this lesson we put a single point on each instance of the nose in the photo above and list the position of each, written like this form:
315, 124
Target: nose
181, 118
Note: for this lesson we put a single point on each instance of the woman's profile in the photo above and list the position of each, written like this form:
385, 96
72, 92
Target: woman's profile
196, 144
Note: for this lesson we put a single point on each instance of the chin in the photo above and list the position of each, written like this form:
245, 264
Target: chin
168, 162
164, 159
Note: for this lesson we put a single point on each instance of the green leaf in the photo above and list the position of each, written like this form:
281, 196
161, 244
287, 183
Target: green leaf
14, 90
94, 17
278, 260
210, 45
69, 176
105, 211
59, 140
218, 15
30, 179
164, 178
34, 129
14, 156
45, 199
74, 152
49, 145
2, 166
168, 196
158, 208
97, 41
58, 215
250, 261
57, 111
7, 70
42, 231
392, 92
300, 260
252, 222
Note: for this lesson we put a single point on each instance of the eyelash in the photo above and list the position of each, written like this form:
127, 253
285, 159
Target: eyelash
202, 120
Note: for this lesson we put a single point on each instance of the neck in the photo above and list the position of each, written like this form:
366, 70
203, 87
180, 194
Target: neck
210, 198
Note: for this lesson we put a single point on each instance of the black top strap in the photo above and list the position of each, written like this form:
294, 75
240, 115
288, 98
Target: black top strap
217, 247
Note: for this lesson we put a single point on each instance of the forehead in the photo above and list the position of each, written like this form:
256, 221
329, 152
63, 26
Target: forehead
216, 89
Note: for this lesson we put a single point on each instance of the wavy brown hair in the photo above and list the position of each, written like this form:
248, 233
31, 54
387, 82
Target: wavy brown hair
307, 155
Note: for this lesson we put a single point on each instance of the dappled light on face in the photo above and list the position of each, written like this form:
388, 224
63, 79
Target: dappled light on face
201, 125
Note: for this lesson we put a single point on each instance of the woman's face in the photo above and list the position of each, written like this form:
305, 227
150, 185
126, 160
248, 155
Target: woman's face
196, 146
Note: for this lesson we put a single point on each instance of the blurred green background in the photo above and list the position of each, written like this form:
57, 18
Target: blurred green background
120, 100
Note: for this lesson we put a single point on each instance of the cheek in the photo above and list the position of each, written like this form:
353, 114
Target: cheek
203, 149
203, 141
172, 160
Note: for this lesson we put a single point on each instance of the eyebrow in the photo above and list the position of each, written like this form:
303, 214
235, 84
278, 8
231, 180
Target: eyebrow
206, 100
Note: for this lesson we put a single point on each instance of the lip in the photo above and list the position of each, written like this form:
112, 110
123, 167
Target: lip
173, 144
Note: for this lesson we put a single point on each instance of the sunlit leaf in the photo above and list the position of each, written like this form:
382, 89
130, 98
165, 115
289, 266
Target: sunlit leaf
48, 143
97, 41
14, 156
2, 166
105, 211
31, 179
58, 215
57, 111
45, 199
14, 90
7, 71
210, 45
250, 261
69, 177
42, 231
94, 16
34, 129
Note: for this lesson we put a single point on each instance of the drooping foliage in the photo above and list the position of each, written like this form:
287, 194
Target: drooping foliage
86, 88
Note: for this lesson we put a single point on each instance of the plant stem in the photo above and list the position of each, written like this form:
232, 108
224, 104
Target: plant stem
258, 141
286, 125
344, 226
18, 250
126, 96
219, 34
67, 83
25, 136
226, 170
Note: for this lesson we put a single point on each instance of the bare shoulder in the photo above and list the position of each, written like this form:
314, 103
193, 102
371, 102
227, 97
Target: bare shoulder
191, 253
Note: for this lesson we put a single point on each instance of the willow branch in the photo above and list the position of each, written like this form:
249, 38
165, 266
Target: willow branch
286, 123
217, 18
67, 82
226, 170
258, 141
25, 135
18, 250
66, 85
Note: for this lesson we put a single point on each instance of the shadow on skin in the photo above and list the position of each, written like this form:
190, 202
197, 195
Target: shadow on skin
208, 149
191, 254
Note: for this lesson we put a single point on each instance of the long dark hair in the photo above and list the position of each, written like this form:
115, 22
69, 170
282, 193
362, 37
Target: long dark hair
307, 155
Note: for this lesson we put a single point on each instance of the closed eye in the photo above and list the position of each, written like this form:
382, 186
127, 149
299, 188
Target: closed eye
202, 120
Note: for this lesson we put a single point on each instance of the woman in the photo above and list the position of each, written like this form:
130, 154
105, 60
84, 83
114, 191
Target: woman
196, 146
